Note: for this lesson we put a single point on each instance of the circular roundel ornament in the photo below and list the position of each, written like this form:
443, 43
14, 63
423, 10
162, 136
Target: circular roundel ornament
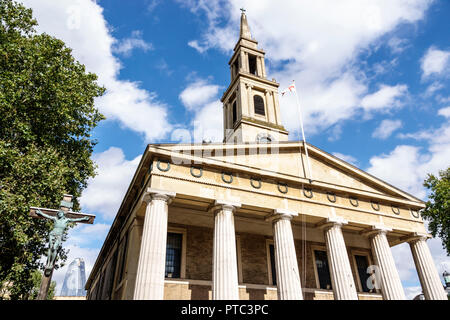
308, 193
395, 209
331, 197
375, 205
227, 177
196, 172
282, 187
167, 168
354, 201
255, 182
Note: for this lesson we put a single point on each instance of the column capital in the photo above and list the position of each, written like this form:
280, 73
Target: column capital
375, 229
281, 214
417, 236
331, 222
157, 194
224, 204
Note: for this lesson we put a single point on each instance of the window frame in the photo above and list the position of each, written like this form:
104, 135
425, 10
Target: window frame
270, 242
315, 248
263, 103
355, 253
183, 233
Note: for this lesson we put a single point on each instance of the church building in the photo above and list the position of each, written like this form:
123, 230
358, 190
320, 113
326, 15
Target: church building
248, 218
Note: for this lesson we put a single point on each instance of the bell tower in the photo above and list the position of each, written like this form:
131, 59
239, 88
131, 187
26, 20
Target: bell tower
251, 110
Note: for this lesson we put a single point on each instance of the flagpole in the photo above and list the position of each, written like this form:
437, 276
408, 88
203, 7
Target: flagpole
303, 132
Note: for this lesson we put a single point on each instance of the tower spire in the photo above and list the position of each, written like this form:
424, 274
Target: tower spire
245, 30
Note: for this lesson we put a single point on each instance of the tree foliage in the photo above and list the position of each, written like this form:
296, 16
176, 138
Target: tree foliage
437, 210
47, 114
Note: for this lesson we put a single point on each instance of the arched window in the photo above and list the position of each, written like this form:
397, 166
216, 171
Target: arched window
258, 102
234, 112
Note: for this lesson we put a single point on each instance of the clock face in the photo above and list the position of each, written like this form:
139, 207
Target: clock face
264, 138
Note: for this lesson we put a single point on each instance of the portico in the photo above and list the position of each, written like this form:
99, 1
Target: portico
230, 216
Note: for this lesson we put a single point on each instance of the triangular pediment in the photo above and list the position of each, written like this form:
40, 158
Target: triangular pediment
288, 159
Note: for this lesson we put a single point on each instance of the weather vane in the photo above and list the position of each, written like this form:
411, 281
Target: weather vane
243, 10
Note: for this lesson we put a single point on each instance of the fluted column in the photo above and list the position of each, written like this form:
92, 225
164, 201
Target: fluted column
391, 286
341, 273
152, 256
428, 275
288, 277
225, 273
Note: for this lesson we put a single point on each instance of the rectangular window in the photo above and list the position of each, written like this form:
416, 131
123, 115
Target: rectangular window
272, 264
173, 255
252, 64
362, 264
323, 270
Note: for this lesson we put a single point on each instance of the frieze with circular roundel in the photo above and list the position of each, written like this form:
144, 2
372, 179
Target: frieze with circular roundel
282, 187
415, 213
395, 209
197, 172
353, 201
308, 193
375, 205
227, 177
167, 168
255, 182
331, 197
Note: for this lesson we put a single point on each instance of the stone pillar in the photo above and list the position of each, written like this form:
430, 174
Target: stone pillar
251, 109
152, 256
263, 67
225, 273
270, 111
428, 275
258, 67
243, 61
391, 286
288, 277
341, 273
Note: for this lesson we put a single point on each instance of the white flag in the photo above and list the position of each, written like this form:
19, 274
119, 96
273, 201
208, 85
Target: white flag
291, 88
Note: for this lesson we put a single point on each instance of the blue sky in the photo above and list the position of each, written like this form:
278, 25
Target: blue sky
373, 79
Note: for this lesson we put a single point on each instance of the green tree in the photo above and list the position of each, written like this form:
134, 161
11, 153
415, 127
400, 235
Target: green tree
437, 210
47, 114
36, 276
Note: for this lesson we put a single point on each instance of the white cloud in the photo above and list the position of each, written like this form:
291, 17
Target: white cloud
82, 26
397, 45
125, 46
401, 168
105, 191
200, 97
386, 128
321, 41
385, 98
435, 61
444, 112
208, 124
195, 44
407, 166
198, 93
